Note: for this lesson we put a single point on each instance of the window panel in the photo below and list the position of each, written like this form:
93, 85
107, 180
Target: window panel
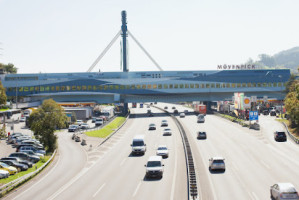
165, 86
243, 84
223, 85
192, 85
176, 86
26, 89
233, 85
143, 86
78, 87
170, 86
186, 85
196, 85
155, 86
265, 85
89, 87
248, 84
47, 88
228, 85
94, 87
253, 84
73, 87
217, 85
279, 84
202, 85
105, 87
111, 87
207, 85
213, 85
57, 88
31, 89
127, 87
160, 86
149, 86
132, 87
274, 84
238, 85
116, 87
259, 85
36, 88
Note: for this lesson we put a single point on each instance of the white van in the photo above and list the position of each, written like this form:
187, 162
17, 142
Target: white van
200, 118
138, 145
99, 121
154, 167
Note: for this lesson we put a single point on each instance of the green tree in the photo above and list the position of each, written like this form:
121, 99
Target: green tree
45, 120
9, 68
3, 97
292, 104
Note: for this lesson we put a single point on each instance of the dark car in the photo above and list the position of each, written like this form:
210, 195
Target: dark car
19, 160
152, 127
175, 111
13, 163
173, 107
280, 136
272, 113
265, 112
201, 135
165, 107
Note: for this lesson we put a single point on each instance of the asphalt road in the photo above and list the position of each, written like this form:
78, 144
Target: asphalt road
254, 161
110, 171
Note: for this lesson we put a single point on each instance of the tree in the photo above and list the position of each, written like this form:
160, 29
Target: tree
3, 97
45, 120
9, 68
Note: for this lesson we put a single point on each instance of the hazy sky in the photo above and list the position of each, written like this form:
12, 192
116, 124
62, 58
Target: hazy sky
68, 35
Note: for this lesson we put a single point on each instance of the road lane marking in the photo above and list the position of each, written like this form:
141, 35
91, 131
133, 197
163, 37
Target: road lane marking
41, 178
254, 196
123, 161
267, 166
137, 188
175, 171
95, 194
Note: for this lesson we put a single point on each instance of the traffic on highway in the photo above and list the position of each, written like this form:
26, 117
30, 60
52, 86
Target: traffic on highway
145, 159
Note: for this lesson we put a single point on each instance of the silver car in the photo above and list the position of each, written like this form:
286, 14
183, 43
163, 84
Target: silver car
216, 163
285, 191
4, 173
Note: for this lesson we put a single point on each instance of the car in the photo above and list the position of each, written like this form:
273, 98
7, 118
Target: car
167, 131
152, 127
18, 166
25, 162
32, 153
154, 167
11, 170
162, 150
34, 148
22, 119
148, 106
182, 115
138, 145
216, 163
93, 120
99, 121
4, 174
149, 111
79, 122
285, 191
201, 135
165, 107
200, 118
25, 156
77, 139
173, 107
272, 112
186, 111
280, 136
265, 112
175, 111
164, 123
84, 126
150, 114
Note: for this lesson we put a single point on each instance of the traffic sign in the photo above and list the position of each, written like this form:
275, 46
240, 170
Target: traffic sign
253, 115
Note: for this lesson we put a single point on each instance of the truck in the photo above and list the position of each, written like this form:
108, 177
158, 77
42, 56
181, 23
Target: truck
200, 109
108, 112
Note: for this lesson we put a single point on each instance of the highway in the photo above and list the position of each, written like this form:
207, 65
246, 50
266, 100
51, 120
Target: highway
254, 161
111, 172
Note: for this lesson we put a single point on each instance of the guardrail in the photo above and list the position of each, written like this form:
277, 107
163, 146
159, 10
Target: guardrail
296, 140
9, 186
191, 174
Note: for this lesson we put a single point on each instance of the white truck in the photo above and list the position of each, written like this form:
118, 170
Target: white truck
99, 121
108, 112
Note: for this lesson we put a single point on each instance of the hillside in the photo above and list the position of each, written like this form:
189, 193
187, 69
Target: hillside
284, 59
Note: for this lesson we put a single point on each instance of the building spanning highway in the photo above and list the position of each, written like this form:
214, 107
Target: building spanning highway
162, 86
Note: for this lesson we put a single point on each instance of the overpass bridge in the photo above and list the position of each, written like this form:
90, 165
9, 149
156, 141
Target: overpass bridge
147, 86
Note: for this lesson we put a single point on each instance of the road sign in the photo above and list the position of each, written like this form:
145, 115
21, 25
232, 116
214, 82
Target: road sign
246, 102
253, 115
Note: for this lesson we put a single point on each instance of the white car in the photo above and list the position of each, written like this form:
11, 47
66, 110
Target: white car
167, 131
84, 126
216, 163
164, 123
182, 115
4, 173
22, 119
79, 122
162, 151
285, 191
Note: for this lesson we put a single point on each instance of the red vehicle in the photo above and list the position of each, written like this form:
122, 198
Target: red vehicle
134, 105
200, 109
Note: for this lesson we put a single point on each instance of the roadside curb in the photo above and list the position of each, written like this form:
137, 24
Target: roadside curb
293, 137
15, 183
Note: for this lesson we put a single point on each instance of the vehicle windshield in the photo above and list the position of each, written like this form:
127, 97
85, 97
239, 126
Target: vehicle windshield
152, 124
162, 148
218, 161
167, 129
202, 133
164, 120
138, 143
281, 133
4, 165
154, 164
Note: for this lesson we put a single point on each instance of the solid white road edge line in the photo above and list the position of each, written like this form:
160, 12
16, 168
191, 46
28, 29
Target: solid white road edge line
175, 171
40, 179
137, 188
123, 161
95, 194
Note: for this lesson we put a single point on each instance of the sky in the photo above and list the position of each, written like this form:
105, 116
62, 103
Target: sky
57, 36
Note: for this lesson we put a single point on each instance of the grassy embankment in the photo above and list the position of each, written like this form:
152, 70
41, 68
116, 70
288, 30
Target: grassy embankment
108, 129
293, 131
22, 173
